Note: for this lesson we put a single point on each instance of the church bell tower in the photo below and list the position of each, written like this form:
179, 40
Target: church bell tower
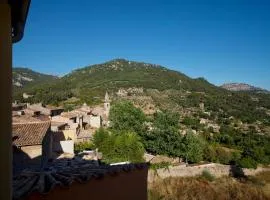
107, 105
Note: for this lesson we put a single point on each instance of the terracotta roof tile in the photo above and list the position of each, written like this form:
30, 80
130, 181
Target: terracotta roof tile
29, 133
69, 114
58, 124
24, 119
63, 173
27, 118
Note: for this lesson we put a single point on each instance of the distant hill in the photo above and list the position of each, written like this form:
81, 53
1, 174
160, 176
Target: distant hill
23, 77
241, 87
149, 85
123, 73
91, 82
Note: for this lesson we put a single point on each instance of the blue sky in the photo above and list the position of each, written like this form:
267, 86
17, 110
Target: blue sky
223, 41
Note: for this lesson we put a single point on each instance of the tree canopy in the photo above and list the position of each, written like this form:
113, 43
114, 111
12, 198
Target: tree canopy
119, 147
124, 116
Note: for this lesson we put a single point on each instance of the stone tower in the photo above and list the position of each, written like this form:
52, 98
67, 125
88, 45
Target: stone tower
107, 105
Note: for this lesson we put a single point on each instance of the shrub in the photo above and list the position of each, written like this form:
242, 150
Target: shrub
224, 157
248, 162
161, 165
236, 156
193, 147
207, 175
79, 147
237, 172
100, 137
210, 153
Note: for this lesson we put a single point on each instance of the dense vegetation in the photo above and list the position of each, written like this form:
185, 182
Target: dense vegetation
125, 117
161, 135
118, 146
242, 117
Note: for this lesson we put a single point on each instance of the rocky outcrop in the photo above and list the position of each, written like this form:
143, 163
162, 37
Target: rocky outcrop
240, 87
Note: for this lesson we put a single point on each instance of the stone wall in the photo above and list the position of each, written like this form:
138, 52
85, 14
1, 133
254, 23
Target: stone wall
217, 170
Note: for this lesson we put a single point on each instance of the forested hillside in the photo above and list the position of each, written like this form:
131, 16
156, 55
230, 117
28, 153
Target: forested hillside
23, 78
166, 89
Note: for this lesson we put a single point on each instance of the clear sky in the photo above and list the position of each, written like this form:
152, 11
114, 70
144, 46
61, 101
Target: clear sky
223, 41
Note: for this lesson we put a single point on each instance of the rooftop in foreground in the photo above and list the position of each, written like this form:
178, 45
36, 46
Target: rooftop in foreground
63, 173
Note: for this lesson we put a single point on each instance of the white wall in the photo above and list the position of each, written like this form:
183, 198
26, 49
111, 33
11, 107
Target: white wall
64, 146
95, 121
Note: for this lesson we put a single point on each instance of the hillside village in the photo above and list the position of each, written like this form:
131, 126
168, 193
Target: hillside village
48, 132
167, 119
202, 107
133, 130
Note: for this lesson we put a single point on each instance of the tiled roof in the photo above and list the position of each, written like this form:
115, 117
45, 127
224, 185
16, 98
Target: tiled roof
24, 119
39, 107
58, 124
29, 133
54, 108
84, 109
63, 173
30, 111
69, 114
86, 133
28, 118
98, 110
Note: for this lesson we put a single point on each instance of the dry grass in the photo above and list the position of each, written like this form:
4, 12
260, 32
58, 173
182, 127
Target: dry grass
264, 180
226, 188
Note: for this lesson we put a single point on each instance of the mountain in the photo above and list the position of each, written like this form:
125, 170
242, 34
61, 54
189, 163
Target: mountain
23, 77
241, 87
150, 86
93, 81
123, 73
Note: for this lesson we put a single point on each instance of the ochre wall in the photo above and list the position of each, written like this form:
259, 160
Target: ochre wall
70, 134
123, 186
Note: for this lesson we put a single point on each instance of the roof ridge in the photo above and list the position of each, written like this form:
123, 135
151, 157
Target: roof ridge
32, 122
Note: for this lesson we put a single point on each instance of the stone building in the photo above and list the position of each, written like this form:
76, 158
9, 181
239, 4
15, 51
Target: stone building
18, 106
95, 121
46, 110
32, 144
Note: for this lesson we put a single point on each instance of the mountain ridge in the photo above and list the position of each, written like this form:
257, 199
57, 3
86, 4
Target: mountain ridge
163, 88
22, 76
233, 86
242, 87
